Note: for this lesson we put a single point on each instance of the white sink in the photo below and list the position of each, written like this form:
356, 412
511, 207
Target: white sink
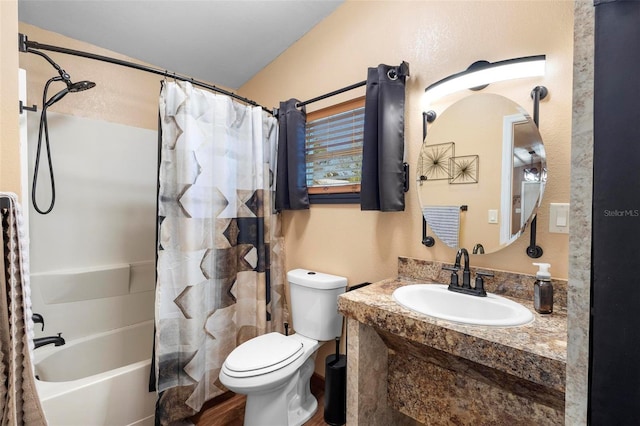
436, 301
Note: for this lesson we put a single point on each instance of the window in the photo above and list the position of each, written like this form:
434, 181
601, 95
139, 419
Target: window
334, 152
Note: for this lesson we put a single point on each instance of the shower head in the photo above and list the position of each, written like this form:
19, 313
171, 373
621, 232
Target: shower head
80, 86
71, 88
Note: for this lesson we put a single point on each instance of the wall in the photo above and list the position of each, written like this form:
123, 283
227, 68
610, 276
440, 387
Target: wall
121, 95
9, 132
437, 39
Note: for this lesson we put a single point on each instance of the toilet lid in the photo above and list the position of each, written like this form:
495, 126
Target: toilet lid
262, 355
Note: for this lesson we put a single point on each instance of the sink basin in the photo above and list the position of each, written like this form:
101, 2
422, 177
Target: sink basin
436, 301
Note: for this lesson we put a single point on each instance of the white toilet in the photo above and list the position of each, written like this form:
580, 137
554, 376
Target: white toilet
274, 370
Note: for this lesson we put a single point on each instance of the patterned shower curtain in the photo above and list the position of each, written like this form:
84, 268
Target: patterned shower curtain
220, 269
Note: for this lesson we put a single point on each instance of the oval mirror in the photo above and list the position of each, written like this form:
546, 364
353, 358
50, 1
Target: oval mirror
481, 173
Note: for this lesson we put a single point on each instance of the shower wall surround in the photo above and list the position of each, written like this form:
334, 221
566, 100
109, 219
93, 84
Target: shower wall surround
93, 257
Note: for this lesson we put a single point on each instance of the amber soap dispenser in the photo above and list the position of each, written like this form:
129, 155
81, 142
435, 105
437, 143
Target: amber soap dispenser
543, 290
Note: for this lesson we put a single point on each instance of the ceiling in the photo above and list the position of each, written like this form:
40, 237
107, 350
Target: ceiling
223, 42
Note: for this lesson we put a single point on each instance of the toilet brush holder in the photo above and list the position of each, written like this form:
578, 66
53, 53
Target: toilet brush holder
335, 388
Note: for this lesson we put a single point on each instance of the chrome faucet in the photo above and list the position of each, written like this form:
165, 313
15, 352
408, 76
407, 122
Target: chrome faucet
56, 340
478, 289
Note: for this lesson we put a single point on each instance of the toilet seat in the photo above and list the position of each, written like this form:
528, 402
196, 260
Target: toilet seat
262, 355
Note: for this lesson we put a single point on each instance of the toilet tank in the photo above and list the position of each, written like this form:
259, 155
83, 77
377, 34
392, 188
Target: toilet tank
314, 303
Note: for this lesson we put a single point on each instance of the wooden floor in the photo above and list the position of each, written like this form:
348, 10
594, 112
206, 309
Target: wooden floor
228, 409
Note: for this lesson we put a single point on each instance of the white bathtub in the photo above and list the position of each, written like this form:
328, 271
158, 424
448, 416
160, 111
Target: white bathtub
98, 380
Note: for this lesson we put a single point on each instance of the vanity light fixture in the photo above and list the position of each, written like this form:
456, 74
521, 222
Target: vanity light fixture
482, 73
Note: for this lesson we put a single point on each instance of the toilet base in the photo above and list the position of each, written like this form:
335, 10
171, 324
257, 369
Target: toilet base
304, 412
289, 405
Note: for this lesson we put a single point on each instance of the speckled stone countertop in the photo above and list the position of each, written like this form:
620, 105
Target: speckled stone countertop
535, 352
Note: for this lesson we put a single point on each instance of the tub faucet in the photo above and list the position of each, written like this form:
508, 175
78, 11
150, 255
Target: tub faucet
56, 340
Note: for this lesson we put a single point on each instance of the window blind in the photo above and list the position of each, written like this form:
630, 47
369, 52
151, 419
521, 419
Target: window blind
334, 149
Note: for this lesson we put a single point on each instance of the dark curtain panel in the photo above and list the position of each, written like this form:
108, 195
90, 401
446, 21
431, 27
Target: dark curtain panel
383, 177
291, 173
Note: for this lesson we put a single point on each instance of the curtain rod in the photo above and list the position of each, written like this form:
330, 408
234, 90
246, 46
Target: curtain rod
24, 45
393, 73
335, 92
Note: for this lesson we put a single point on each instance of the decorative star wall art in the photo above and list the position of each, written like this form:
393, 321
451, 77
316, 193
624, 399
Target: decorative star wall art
464, 169
434, 163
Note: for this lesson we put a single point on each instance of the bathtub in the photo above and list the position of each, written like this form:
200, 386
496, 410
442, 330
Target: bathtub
98, 380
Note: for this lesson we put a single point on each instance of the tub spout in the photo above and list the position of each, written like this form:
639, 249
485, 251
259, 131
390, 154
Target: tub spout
56, 340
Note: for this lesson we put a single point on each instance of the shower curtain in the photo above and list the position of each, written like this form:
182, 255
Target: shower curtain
220, 277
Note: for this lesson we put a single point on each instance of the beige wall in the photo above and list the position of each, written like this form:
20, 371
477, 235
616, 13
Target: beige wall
9, 136
437, 39
122, 95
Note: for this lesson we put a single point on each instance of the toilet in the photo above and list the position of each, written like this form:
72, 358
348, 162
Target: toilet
274, 370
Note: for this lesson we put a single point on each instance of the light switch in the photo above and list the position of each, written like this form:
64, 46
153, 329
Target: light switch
493, 216
559, 218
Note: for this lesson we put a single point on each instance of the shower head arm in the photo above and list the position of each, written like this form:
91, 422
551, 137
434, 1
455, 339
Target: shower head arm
65, 76
24, 45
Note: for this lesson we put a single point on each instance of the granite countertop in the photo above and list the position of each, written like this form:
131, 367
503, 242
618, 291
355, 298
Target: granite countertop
535, 352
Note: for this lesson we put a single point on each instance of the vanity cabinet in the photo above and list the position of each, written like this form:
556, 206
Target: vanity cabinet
408, 368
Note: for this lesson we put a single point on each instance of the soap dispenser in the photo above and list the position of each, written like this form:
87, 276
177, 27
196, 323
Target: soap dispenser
543, 290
